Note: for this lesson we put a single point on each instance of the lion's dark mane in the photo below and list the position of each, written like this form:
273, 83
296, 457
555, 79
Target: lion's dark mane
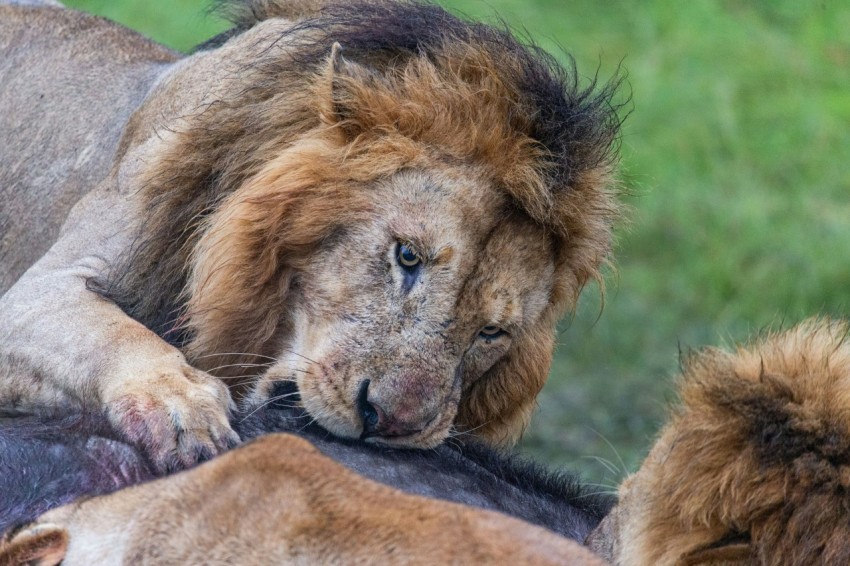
577, 125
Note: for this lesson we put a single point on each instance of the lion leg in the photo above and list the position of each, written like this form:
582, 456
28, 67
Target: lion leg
61, 344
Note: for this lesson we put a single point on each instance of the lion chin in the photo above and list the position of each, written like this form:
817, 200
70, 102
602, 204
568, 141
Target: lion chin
376, 201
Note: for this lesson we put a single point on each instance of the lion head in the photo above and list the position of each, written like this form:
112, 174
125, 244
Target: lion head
383, 204
752, 466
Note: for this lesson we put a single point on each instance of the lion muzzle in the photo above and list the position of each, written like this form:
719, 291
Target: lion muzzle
388, 414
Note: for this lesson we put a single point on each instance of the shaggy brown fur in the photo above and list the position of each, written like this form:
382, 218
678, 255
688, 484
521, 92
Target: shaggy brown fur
754, 466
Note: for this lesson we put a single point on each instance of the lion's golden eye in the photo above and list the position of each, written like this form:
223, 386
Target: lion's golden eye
407, 256
490, 332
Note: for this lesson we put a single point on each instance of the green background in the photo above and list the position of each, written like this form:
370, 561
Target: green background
736, 159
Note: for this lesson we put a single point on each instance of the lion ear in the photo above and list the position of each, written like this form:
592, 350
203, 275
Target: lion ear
344, 81
42, 545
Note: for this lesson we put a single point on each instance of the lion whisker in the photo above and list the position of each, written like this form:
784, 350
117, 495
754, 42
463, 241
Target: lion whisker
272, 358
303, 428
242, 376
243, 419
280, 379
238, 354
455, 433
271, 400
605, 485
607, 464
623, 470
242, 365
294, 353
282, 402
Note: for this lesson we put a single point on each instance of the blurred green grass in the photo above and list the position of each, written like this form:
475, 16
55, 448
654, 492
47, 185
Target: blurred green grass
737, 157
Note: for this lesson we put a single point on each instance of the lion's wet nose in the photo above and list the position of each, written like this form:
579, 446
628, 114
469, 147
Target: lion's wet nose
371, 414
378, 421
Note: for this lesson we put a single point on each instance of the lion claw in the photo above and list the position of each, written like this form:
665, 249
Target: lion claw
178, 418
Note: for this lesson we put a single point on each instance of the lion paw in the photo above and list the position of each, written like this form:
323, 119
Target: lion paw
178, 417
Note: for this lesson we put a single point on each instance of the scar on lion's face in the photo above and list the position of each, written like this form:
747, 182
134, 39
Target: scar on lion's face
396, 316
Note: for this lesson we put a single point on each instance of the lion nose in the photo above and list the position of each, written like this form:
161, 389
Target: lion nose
376, 420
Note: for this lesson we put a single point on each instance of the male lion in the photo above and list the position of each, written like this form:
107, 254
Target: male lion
375, 199
753, 467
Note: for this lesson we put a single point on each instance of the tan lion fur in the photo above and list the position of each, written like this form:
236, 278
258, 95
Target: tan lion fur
753, 467
248, 222
278, 500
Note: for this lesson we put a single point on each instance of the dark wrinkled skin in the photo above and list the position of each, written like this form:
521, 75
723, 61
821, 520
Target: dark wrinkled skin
49, 462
